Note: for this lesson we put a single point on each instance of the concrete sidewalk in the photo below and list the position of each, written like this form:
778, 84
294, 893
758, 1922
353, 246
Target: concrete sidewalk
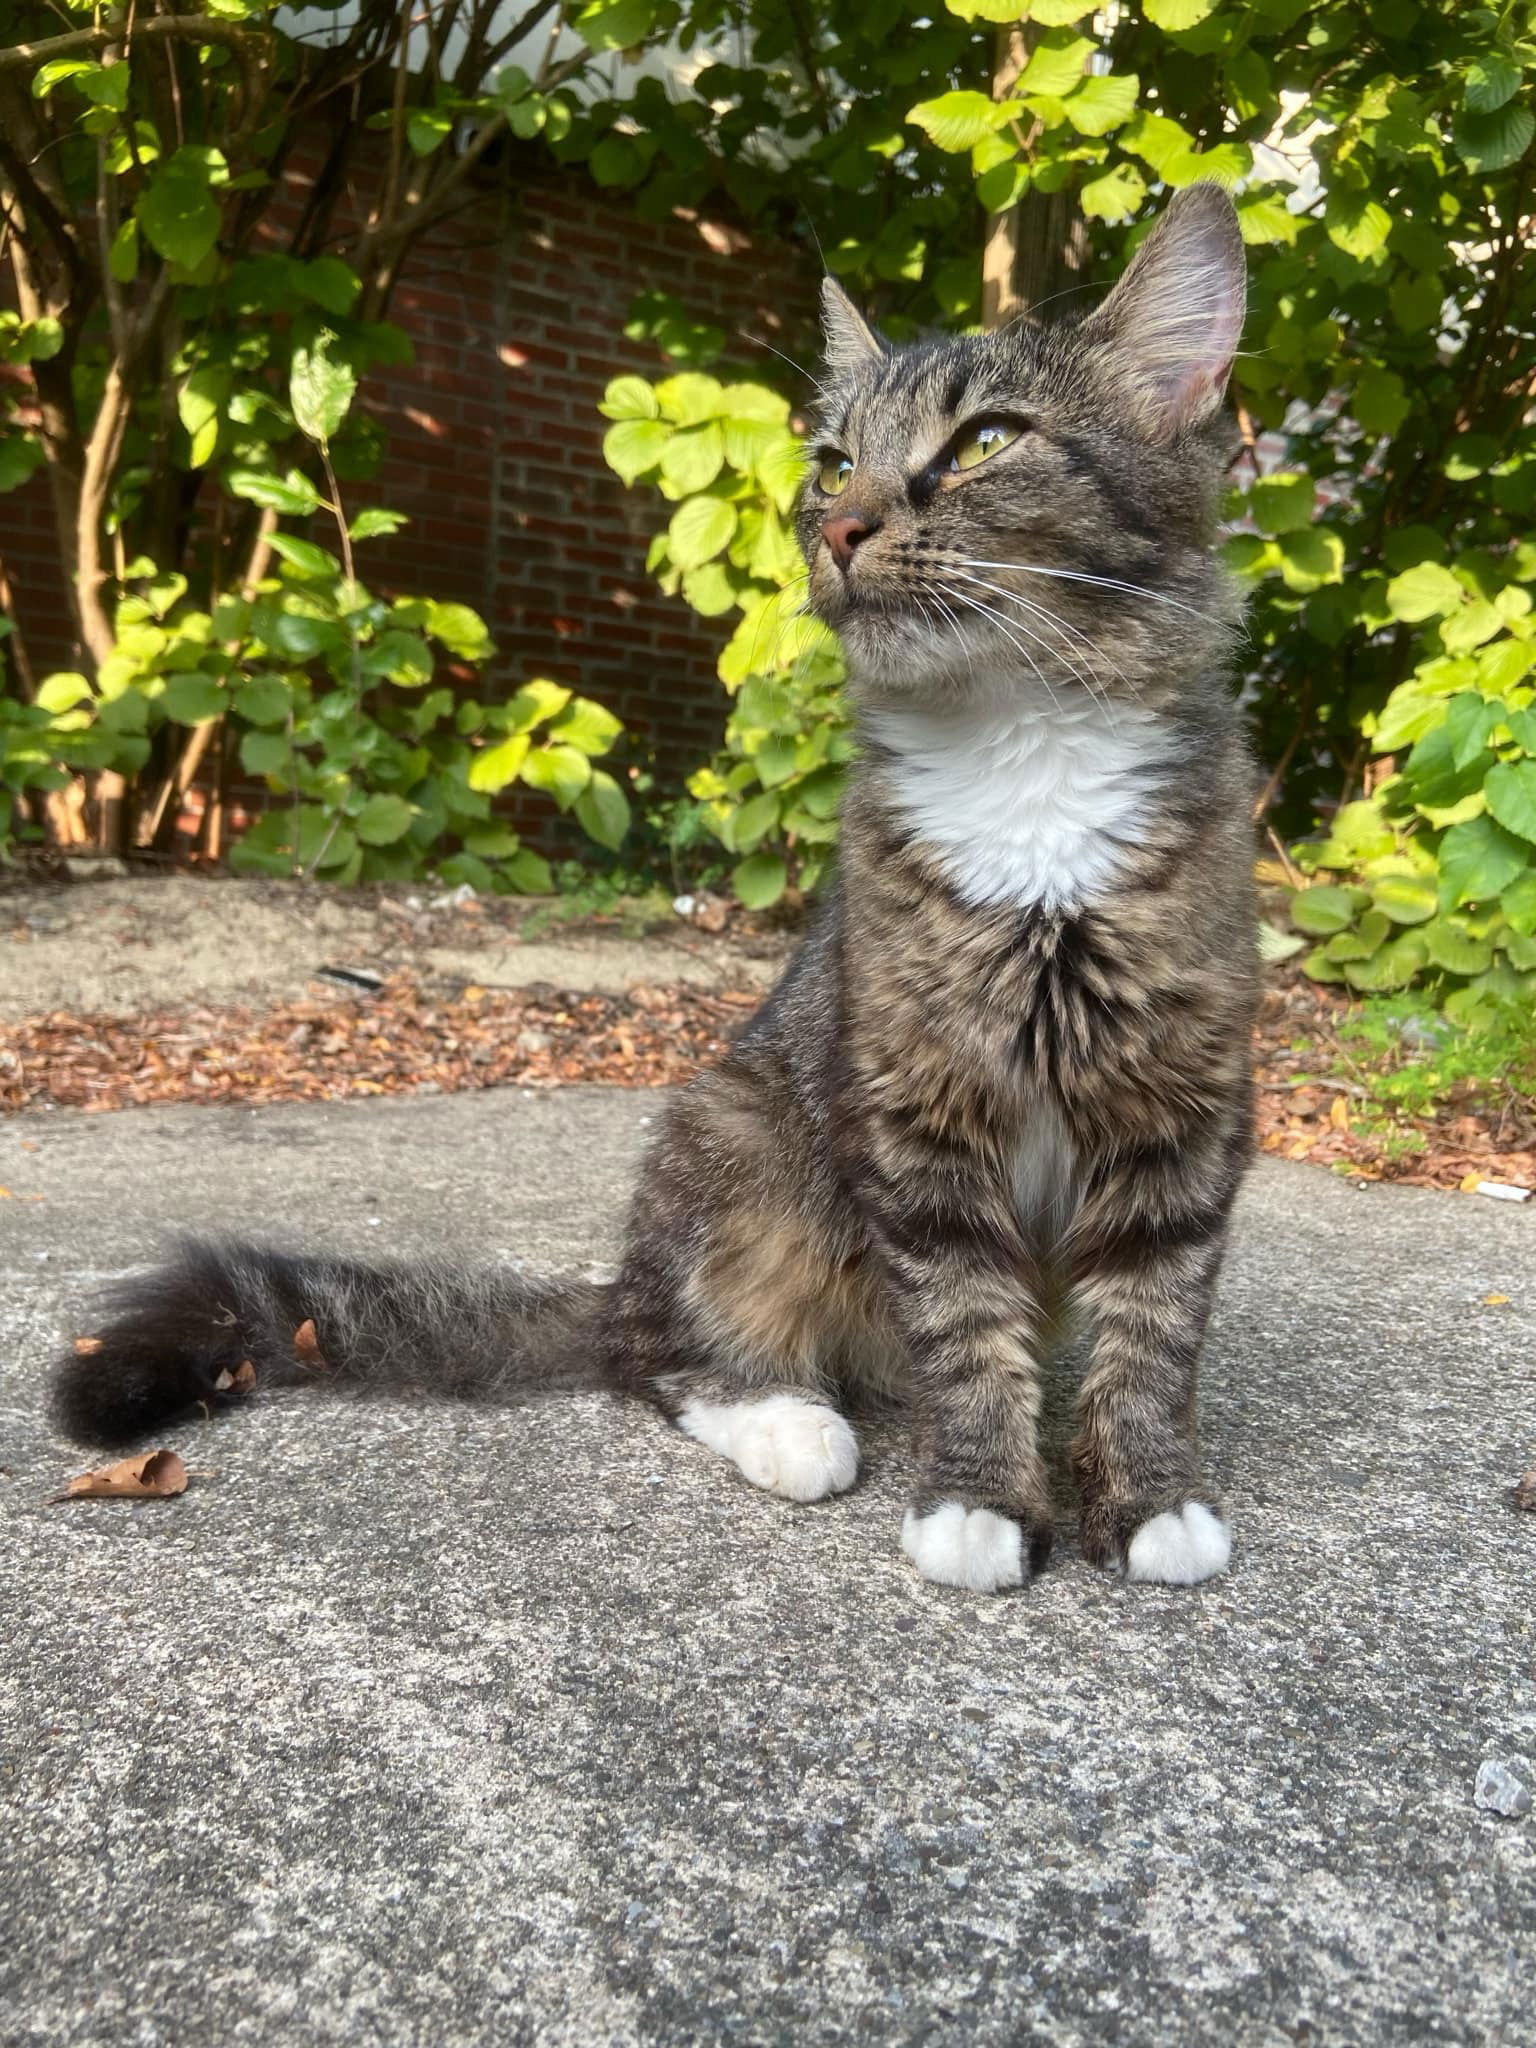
414, 1725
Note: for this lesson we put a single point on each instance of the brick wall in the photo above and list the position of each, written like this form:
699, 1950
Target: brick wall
516, 309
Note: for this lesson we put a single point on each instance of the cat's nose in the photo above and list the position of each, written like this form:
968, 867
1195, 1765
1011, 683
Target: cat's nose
844, 533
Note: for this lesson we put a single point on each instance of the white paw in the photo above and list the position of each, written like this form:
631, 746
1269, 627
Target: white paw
954, 1547
1180, 1548
800, 1449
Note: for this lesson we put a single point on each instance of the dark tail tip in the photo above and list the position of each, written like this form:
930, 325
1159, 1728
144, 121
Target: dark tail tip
167, 1348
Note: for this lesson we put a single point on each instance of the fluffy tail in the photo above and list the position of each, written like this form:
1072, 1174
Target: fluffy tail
218, 1322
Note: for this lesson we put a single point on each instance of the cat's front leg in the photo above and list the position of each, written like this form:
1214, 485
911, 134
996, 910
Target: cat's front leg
1146, 1248
980, 1515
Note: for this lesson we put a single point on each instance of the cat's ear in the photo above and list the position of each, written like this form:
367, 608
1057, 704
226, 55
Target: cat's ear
1174, 320
851, 343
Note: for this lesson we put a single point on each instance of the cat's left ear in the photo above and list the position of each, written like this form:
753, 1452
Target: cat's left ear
1175, 319
851, 343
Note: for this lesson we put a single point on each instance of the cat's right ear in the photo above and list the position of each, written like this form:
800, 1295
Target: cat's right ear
851, 343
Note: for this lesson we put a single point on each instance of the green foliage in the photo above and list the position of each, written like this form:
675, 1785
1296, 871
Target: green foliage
1406, 1062
728, 457
1380, 162
198, 368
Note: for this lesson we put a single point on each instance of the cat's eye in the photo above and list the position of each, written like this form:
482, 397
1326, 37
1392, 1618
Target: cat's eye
834, 474
981, 442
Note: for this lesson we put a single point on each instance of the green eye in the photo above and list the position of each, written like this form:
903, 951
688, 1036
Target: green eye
985, 441
834, 474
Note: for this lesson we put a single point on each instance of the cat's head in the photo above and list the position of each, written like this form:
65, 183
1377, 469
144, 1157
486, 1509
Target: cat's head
980, 505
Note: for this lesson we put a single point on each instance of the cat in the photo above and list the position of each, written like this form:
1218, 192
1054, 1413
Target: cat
1007, 1074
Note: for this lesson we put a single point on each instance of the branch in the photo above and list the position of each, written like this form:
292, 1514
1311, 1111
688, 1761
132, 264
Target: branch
160, 28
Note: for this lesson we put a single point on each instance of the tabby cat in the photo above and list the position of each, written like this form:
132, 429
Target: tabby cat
1007, 1074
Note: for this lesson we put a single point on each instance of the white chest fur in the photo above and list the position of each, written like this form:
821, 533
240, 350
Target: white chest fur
1028, 802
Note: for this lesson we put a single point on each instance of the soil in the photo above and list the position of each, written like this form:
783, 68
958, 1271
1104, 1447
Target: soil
121, 948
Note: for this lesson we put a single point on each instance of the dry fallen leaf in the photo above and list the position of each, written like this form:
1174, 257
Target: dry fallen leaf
1338, 1113
151, 1476
1495, 1300
87, 1347
1525, 1492
240, 1381
306, 1345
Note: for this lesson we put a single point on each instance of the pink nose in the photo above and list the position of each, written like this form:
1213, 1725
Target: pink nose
843, 534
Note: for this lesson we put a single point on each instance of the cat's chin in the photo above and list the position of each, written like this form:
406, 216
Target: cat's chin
901, 654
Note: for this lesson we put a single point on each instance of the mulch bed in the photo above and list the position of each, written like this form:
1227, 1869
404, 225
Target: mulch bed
408, 1040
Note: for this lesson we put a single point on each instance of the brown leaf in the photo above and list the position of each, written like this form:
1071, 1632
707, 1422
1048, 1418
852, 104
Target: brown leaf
306, 1346
153, 1475
1524, 1495
240, 1381
87, 1347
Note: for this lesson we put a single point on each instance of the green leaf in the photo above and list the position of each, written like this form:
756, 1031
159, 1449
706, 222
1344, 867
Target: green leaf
264, 700
1322, 909
265, 753
1518, 902
1492, 142
699, 529
305, 555
1477, 859
1177, 15
1393, 965
321, 386
1426, 591
690, 398
615, 24
369, 524
1511, 792
603, 810
55, 72
759, 881
958, 120
634, 446
1100, 104
629, 398
1357, 224
528, 873
1283, 504
177, 212
59, 692
427, 129
461, 630
710, 590
383, 820
494, 767
1117, 195
1406, 899
1489, 81
1055, 66
123, 256
536, 700
1310, 557
586, 725
1452, 946
757, 817
192, 698
1381, 402
1264, 218
562, 772
292, 494
691, 459
403, 658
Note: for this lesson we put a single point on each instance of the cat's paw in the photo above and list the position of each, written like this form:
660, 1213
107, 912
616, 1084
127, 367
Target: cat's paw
801, 1450
975, 1548
1179, 1548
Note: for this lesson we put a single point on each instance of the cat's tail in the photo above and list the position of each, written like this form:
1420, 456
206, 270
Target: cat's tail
219, 1321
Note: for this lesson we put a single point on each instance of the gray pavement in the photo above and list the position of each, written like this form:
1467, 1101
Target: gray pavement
417, 1725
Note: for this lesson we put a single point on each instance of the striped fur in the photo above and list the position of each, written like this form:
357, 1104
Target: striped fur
1006, 1077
